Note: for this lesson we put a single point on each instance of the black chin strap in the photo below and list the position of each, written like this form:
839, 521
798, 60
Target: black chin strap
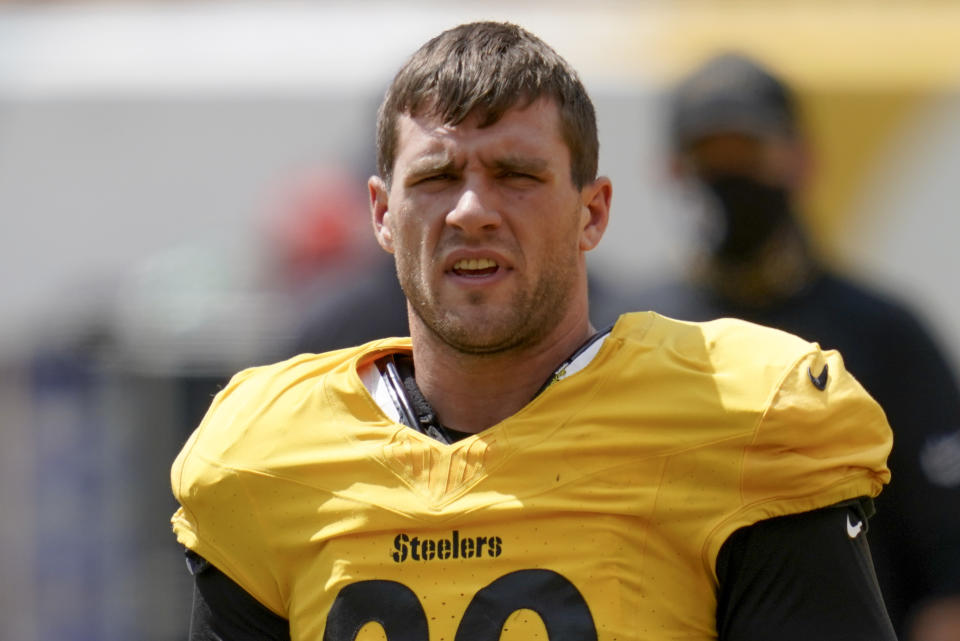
414, 409
395, 387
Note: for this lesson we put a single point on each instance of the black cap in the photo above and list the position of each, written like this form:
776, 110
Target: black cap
730, 93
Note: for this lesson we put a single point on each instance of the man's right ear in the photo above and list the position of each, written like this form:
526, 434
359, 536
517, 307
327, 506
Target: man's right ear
380, 213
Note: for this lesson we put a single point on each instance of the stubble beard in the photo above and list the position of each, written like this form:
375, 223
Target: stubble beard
480, 328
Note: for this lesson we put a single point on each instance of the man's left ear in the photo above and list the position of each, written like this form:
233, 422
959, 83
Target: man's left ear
595, 198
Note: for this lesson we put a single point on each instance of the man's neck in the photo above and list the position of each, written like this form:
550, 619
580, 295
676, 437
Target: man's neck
473, 392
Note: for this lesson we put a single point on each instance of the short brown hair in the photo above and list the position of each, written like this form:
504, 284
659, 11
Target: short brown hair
488, 68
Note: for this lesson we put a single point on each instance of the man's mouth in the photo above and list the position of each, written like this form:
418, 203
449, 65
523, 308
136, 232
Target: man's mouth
475, 267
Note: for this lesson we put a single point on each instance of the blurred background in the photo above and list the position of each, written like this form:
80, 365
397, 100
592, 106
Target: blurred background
182, 183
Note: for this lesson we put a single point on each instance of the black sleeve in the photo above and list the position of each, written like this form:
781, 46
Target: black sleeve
801, 577
223, 611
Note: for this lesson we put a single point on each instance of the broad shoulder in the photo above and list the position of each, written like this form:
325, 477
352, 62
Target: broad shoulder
719, 345
280, 406
720, 375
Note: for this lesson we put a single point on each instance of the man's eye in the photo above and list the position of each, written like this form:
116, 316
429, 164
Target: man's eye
436, 178
518, 175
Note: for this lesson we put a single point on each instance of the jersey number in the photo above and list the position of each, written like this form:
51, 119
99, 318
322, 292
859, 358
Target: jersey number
395, 607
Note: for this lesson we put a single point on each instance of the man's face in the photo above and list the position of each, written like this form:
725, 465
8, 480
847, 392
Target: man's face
487, 228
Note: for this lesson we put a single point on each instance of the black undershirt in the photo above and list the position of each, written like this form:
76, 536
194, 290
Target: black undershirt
791, 578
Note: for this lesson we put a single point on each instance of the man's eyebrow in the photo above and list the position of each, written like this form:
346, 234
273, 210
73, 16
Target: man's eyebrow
432, 163
525, 164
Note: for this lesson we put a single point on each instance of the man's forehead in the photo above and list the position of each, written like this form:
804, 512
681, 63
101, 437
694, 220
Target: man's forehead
427, 130
427, 135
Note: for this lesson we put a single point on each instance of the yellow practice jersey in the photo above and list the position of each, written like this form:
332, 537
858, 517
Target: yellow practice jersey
595, 512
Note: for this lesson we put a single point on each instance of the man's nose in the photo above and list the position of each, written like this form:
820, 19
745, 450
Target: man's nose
475, 211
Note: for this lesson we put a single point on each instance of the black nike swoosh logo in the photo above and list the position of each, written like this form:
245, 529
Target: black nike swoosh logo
820, 382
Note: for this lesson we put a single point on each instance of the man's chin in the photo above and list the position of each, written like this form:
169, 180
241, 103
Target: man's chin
481, 336
478, 345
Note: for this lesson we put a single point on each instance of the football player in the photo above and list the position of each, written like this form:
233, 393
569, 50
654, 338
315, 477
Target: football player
508, 472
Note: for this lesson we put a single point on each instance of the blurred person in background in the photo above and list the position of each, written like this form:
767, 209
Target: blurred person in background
738, 150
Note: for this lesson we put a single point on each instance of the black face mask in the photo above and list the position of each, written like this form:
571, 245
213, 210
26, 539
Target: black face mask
749, 211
